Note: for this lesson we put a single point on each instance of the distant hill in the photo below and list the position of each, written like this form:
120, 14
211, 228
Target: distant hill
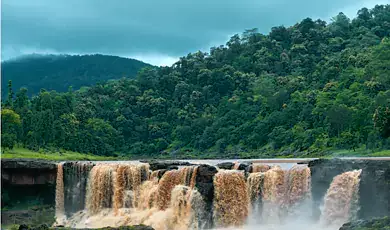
58, 72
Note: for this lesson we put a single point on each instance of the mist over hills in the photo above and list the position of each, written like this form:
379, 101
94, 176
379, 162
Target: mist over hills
59, 72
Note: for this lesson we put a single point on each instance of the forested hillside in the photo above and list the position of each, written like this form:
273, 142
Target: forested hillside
59, 72
303, 89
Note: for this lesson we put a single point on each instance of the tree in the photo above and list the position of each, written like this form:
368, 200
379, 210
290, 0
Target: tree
382, 120
10, 123
10, 98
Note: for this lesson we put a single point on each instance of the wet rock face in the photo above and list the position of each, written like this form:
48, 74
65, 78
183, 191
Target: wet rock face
373, 224
21, 178
374, 184
28, 164
28, 172
204, 184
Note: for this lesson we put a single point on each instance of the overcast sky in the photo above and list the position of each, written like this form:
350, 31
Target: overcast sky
155, 31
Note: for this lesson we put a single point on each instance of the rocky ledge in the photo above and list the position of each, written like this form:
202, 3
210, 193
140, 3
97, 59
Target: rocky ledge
165, 164
28, 164
373, 224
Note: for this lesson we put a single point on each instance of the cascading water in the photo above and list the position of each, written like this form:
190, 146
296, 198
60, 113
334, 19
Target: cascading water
99, 191
340, 197
260, 168
185, 176
298, 195
255, 186
60, 208
231, 202
75, 184
120, 194
274, 190
236, 165
70, 188
128, 179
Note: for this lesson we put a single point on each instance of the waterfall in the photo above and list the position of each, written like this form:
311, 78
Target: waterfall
187, 206
260, 168
231, 202
274, 189
127, 180
255, 187
75, 184
60, 208
118, 195
298, 194
340, 197
184, 176
236, 165
148, 195
121, 194
155, 175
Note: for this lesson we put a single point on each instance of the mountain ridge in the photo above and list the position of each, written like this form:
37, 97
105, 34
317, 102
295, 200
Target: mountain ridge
59, 72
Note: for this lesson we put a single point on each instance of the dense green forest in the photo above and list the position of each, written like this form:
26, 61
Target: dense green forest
299, 90
58, 72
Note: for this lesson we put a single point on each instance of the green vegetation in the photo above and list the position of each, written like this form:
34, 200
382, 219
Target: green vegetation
50, 155
303, 91
59, 72
373, 224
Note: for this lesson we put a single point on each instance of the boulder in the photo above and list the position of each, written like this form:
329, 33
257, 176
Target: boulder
205, 185
156, 165
225, 165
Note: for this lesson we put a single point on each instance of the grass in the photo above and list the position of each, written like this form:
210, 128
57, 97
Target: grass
19, 152
359, 153
50, 155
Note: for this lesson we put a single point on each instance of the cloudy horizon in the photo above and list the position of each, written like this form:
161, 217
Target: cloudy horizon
154, 32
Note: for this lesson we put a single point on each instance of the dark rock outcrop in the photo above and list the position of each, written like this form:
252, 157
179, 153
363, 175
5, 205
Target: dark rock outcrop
204, 184
28, 172
28, 164
373, 224
374, 184
23, 180
225, 165
156, 165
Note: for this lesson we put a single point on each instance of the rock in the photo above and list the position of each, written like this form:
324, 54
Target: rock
28, 172
156, 165
28, 164
374, 184
23, 227
225, 165
204, 184
373, 224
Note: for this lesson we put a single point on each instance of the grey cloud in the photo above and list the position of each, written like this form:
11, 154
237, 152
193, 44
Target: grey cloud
125, 27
